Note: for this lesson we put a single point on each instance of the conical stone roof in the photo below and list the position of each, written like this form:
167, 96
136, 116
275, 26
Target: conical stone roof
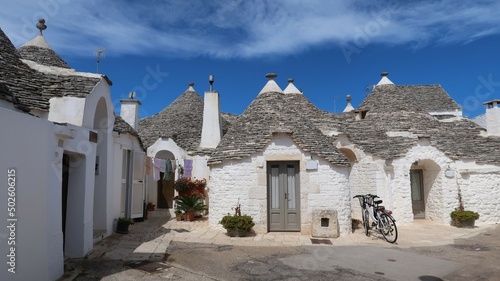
181, 121
271, 113
39, 51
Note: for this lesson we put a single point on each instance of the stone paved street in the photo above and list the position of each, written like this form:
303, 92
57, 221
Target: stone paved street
169, 246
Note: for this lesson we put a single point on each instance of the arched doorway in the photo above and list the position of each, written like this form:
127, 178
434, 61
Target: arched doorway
165, 185
425, 186
101, 126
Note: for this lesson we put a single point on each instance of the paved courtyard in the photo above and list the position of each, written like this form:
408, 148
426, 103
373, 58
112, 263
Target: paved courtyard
154, 240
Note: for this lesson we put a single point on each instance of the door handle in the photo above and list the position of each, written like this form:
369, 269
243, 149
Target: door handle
286, 196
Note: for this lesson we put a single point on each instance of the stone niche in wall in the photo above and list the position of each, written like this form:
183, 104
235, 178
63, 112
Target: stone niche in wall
324, 224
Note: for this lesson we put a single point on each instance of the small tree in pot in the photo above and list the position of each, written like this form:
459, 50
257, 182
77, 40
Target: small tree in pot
237, 225
190, 204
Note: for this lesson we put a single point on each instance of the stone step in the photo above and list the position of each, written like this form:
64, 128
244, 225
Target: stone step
160, 213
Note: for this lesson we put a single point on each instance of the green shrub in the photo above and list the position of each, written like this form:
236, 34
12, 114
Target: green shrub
458, 216
123, 220
241, 223
190, 203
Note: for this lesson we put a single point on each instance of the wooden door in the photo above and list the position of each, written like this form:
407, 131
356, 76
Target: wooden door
283, 196
417, 193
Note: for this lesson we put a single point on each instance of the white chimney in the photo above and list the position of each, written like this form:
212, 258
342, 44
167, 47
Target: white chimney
129, 111
493, 117
211, 132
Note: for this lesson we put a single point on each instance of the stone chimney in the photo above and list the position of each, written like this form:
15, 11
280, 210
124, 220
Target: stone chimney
211, 132
493, 117
129, 110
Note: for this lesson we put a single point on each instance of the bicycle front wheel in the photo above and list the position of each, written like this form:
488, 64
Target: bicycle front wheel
388, 228
366, 223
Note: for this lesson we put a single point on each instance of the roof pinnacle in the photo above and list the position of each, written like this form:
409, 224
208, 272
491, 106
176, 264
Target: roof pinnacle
41, 25
271, 76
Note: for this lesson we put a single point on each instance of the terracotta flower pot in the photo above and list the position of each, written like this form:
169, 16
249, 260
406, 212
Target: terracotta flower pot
190, 216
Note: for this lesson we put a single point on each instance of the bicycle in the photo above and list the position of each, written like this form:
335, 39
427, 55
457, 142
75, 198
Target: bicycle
381, 217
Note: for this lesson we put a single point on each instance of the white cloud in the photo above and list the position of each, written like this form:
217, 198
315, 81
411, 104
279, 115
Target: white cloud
245, 28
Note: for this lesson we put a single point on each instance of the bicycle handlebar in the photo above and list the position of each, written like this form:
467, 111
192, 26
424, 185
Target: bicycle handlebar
367, 195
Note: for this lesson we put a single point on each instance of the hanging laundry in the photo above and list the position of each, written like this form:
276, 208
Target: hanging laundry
174, 165
168, 170
188, 167
159, 166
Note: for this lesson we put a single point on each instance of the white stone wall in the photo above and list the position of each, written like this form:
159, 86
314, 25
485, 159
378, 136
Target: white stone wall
439, 191
30, 147
369, 175
493, 120
245, 181
390, 180
67, 110
481, 192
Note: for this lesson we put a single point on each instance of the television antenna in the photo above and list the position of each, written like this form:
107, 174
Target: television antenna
99, 54
334, 103
369, 89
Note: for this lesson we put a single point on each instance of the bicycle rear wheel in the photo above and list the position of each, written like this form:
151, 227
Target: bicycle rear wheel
388, 228
366, 223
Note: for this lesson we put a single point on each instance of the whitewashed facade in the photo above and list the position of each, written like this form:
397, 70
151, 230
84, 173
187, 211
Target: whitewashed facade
245, 182
61, 146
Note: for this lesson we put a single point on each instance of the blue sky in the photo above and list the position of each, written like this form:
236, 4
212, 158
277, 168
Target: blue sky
330, 48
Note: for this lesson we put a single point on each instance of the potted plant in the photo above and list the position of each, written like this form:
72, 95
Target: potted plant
178, 214
237, 224
188, 186
151, 206
122, 225
190, 204
464, 218
461, 217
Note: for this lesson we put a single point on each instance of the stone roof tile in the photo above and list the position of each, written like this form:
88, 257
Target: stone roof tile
272, 113
34, 89
121, 126
182, 121
398, 116
431, 98
43, 56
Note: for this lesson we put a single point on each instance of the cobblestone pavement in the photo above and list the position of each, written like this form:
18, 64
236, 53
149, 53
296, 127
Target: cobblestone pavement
142, 254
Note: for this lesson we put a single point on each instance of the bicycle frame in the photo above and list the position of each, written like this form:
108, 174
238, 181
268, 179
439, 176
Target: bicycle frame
381, 218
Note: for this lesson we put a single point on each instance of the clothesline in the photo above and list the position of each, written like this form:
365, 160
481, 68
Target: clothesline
168, 166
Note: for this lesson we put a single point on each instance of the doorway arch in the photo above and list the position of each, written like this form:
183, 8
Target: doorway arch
101, 126
165, 185
425, 188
